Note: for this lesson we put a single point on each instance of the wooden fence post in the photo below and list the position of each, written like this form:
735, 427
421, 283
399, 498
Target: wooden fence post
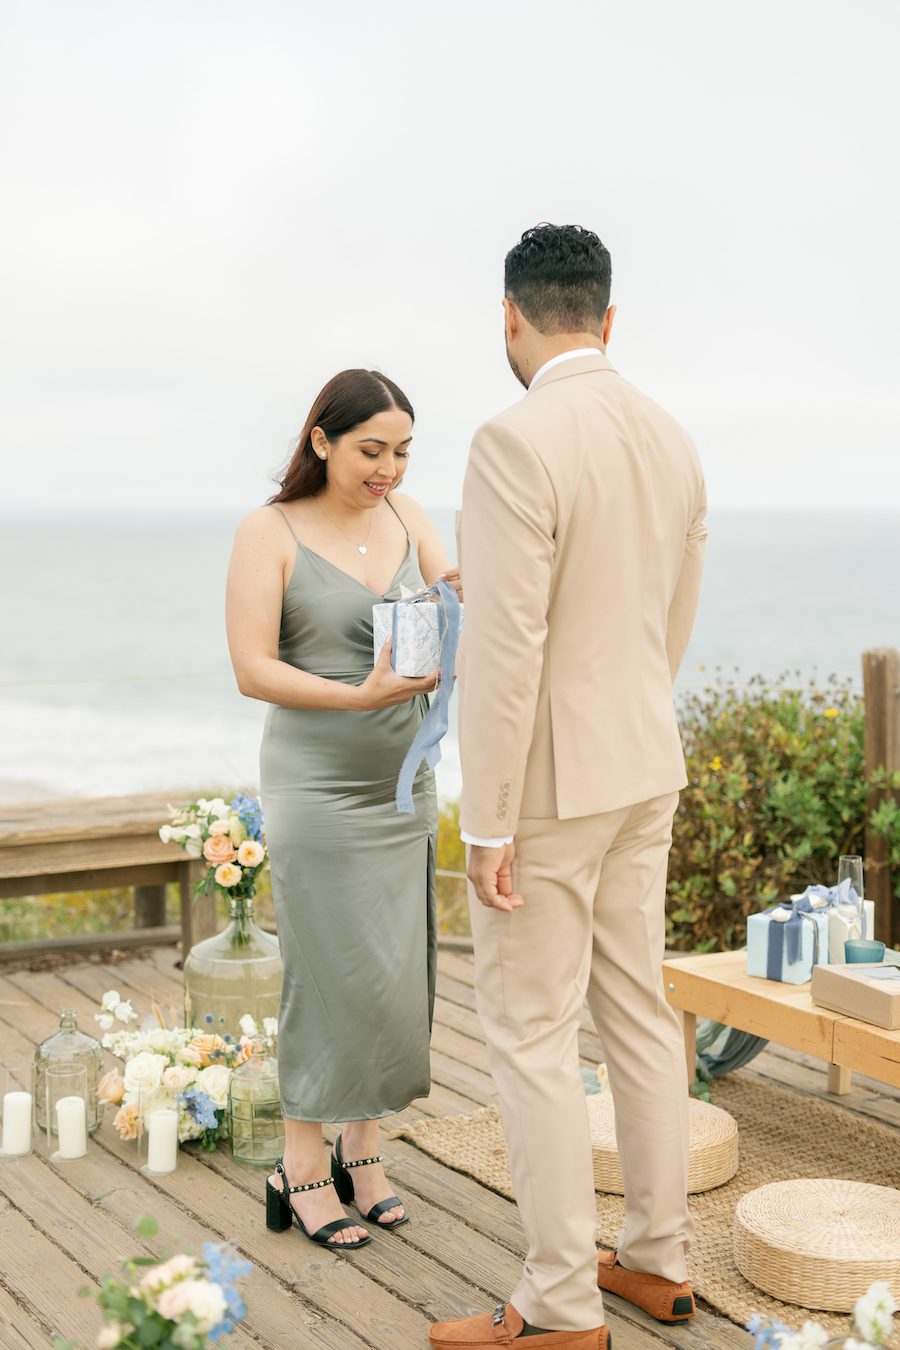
881, 686
149, 906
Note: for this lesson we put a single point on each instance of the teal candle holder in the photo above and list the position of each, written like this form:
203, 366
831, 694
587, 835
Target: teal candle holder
860, 950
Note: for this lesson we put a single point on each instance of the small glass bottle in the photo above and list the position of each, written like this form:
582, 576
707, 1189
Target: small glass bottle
255, 1122
68, 1047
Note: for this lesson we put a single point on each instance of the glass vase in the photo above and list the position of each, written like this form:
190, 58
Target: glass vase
235, 972
255, 1122
68, 1048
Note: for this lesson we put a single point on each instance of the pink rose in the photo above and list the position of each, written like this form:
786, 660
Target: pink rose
111, 1088
174, 1302
218, 849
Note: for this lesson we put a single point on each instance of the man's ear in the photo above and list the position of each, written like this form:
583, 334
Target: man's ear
512, 317
608, 319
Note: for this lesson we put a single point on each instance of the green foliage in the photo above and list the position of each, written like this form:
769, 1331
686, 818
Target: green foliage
777, 792
452, 902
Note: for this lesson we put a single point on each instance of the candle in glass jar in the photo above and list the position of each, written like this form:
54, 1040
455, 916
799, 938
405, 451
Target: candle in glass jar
16, 1123
71, 1122
162, 1148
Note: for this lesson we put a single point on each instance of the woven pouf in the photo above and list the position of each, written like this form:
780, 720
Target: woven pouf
819, 1244
714, 1146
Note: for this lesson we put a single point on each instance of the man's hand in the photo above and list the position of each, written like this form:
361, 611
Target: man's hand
490, 872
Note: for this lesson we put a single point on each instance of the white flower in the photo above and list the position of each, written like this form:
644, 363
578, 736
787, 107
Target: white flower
162, 1040
165, 833
176, 1268
207, 1302
214, 1082
124, 1011
219, 826
192, 831
248, 1025
250, 853
105, 1019
176, 1079
270, 1027
873, 1312
193, 849
110, 1336
202, 805
810, 1337
218, 807
144, 1072
110, 999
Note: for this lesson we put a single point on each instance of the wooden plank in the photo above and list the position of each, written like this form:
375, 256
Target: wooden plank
48, 1281
89, 854
19, 1326
840, 1080
718, 986
870, 1050
87, 879
83, 817
126, 939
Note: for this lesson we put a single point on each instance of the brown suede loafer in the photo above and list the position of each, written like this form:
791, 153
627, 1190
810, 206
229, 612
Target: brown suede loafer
663, 1299
503, 1326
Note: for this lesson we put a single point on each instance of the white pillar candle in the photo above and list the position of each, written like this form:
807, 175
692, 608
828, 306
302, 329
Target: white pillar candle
162, 1149
71, 1124
17, 1123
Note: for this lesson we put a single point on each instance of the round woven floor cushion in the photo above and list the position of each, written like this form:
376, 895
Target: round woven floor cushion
819, 1244
714, 1146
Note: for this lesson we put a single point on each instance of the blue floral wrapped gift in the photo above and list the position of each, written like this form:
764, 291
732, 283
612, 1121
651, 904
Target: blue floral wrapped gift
785, 943
417, 625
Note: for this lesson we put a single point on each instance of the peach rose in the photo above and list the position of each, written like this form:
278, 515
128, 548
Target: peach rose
174, 1302
250, 853
227, 874
218, 849
126, 1121
111, 1088
199, 1050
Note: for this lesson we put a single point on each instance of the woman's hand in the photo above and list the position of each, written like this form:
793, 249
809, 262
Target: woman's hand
384, 688
453, 579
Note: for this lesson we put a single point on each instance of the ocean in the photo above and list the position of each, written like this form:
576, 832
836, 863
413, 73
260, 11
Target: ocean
114, 672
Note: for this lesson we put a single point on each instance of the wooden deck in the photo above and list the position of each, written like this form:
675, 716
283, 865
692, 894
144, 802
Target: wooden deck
63, 1228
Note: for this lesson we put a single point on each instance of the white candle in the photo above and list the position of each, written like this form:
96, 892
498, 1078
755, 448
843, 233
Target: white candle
17, 1123
71, 1123
162, 1149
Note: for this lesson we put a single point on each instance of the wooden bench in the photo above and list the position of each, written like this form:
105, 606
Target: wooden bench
717, 986
88, 843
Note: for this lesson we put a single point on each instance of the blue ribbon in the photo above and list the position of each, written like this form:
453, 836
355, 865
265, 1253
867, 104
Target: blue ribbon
801, 906
426, 744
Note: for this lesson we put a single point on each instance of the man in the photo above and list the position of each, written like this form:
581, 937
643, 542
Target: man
581, 549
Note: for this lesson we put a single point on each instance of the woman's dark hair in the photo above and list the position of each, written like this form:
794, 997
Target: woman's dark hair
559, 276
351, 397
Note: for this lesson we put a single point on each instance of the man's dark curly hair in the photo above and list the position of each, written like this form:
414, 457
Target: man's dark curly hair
559, 276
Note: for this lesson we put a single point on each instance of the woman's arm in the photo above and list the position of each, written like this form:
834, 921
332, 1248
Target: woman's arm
261, 560
433, 560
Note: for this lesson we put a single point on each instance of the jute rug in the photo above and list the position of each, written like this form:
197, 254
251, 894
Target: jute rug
782, 1136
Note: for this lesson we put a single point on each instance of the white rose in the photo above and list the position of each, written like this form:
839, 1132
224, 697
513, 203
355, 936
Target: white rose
162, 1040
219, 827
144, 1072
207, 1302
110, 999
176, 1079
248, 1025
873, 1312
214, 1082
270, 1027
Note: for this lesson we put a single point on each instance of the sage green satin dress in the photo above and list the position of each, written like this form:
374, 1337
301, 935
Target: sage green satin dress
353, 881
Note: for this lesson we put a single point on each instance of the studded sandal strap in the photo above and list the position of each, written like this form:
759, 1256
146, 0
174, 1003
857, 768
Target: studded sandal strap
310, 1185
363, 1162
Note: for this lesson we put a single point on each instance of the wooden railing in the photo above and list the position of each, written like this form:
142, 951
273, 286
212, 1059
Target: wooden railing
86, 844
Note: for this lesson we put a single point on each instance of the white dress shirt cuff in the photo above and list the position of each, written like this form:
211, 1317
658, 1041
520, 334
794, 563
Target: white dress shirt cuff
485, 843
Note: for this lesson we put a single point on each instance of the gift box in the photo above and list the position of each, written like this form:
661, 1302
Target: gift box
869, 992
416, 625
786, 942
847, 918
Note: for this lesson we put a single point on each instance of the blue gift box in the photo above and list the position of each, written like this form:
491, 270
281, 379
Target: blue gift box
785, 943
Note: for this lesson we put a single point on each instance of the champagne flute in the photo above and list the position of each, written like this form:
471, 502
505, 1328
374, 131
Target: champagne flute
850, 868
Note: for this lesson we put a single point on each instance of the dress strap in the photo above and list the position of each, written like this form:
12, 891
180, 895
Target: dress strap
277, 508
399, 517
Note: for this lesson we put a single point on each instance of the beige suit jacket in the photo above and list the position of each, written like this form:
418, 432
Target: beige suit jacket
581, 549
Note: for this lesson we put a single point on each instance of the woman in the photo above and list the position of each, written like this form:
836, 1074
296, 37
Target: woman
353, 880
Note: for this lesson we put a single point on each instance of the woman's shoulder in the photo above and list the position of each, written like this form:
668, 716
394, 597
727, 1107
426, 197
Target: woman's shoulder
264, 526
413, 515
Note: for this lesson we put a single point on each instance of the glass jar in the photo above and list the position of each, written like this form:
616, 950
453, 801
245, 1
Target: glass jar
255, 1122
235, 972
68, 1047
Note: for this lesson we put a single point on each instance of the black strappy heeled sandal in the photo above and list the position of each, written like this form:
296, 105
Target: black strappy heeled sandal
280, 1214
343, 1184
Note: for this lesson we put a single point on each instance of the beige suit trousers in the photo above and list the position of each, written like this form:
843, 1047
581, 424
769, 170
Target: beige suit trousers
593, 926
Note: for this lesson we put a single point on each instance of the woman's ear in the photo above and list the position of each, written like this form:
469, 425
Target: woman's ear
319, 442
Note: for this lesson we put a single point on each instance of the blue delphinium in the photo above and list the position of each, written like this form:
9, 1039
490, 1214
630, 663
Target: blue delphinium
200, 1108
250, 812
767, 1331
225, 1268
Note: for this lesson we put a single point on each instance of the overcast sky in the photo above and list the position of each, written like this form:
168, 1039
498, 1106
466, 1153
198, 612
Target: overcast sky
210, 207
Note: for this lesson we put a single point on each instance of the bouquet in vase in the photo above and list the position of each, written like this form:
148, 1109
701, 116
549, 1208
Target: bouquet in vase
229, 837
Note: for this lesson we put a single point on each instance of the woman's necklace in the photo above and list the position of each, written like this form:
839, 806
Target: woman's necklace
360, 548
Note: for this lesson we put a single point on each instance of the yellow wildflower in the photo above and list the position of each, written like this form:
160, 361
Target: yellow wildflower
832, 712
715, 763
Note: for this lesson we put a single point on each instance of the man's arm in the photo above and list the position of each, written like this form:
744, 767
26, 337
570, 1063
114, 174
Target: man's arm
508, 544
683, 607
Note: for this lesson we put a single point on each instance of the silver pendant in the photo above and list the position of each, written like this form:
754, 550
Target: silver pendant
362, 548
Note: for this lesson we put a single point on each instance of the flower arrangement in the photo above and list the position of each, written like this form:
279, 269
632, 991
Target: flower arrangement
182, 1303
184, 1069
872, 1314
229, 837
